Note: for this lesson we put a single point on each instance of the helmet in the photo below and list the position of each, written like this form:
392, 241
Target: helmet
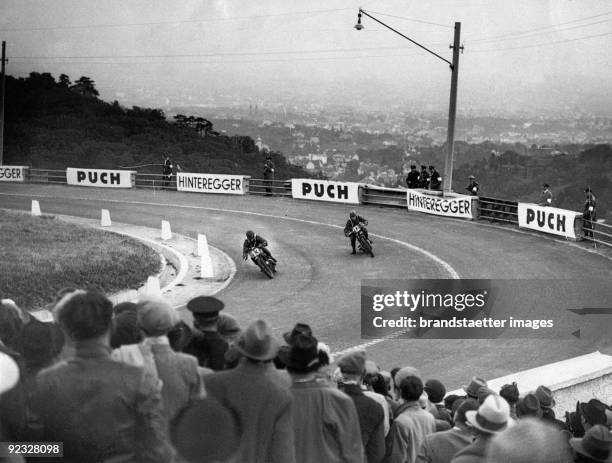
250, 235
352, 214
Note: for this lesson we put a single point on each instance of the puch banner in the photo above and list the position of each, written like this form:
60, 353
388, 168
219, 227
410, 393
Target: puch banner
12, 173
449, 206
323, 190
210, 183
547, 219
100, 177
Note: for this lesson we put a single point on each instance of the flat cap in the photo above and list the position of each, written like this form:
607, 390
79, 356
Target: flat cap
205, 306
353, 362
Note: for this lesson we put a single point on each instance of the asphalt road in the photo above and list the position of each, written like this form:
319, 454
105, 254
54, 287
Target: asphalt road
319, 281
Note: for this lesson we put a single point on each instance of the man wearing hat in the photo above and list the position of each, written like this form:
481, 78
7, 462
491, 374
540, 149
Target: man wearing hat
595, 446
473, 188
546, 196
528, 406
471, 390
256, 394
589, 214
492, 417
424, 177
435, 179
547, 402
325, 420
370, 413
178, 371
268, 172
206, 344
413, 177
592, 413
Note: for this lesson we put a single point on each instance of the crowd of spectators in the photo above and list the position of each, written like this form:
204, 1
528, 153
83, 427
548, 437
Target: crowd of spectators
137, 383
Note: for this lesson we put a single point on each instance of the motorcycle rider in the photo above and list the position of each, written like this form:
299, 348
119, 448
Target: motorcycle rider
353, 220
256, 241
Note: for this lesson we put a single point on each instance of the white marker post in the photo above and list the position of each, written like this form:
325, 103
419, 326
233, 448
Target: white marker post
35, 207
206, 267
152, 288
105, 219
166, 233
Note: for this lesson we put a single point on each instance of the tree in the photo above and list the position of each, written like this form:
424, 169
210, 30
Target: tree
64, 81
85, 86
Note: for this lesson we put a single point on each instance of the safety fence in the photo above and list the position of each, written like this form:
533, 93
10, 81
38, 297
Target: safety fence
568, 224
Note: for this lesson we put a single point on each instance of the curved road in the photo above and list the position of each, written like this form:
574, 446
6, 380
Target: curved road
319, 281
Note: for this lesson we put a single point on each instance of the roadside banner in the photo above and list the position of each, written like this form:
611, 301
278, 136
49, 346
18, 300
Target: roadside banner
548, 219
100, 177
325, 190
211, 183
13, 173
450, 206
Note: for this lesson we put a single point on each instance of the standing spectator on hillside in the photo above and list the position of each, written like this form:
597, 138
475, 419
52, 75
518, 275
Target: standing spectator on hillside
435, 179
167, 172
424, 178
589, 213
370, 413
492, 417
256, 393
440, 447
473, 187
268, 173
546, 196
101, 409
325, 421
411, 425
206, 344
413, 177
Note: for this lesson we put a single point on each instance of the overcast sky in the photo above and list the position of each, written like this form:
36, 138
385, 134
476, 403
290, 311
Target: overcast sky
554, 50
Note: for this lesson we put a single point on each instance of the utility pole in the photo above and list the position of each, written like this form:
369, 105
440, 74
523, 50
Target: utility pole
452, 112
2, 89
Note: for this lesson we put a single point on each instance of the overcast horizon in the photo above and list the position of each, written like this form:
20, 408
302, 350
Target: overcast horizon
542, 55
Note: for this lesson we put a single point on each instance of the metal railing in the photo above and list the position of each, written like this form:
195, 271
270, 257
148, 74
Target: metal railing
597, 232
498, 210
155, 181
258, 186
46, 176
380, 196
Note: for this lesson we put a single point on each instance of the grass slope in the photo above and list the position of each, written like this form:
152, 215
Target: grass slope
41, 255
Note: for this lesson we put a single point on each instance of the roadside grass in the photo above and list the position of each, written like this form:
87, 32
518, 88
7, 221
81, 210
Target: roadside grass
41, 255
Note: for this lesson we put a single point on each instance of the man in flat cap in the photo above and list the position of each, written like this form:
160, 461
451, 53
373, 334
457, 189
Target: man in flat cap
546, 196
473, 187
206, 344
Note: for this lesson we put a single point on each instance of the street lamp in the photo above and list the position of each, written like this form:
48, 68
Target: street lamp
452, 109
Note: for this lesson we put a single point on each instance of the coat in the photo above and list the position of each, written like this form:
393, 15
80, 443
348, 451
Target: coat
263, 404
476, 452
408, 433
258, 241
412, 179
441, 447
350, 223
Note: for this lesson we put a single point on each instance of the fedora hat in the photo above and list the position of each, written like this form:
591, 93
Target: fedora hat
299, 328
156, 316
493, 415
596, 444
529, 406
257, 342
475, 384
594, 411
545, 396
303, 354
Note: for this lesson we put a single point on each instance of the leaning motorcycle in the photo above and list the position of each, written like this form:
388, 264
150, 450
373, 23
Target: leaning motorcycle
268, 266
364, 244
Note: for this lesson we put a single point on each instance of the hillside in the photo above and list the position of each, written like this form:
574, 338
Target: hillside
54, 124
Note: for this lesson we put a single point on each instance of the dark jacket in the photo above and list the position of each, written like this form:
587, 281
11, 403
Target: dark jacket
257, 242
350, 223
208, 347
424, 179
473, 188
371, 422
268, 169
412, 179
435, 181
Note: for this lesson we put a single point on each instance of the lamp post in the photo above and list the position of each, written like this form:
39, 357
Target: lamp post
452, 109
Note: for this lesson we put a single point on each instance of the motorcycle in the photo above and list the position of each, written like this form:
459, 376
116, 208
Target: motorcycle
267, 265
363, 243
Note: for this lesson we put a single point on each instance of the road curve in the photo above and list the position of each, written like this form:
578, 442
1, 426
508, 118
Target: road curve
319, 281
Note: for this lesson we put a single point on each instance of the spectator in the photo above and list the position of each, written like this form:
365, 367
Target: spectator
325, 424
206, 431
435, 179
440, 447
592, 413
528, 406
259, 398
177, 371
125, 329
206, 344
11, 321
595, 446
381, 386
85, 400
492, 417
413, 177
268, 173
589, 213
230, 331
546, 196
424, 178
471, 390
547, 402
510, 392
435, 393
167, 170
371, 370
450, 399
530, 440
411, 425
9, 378
473, 187
370, 413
